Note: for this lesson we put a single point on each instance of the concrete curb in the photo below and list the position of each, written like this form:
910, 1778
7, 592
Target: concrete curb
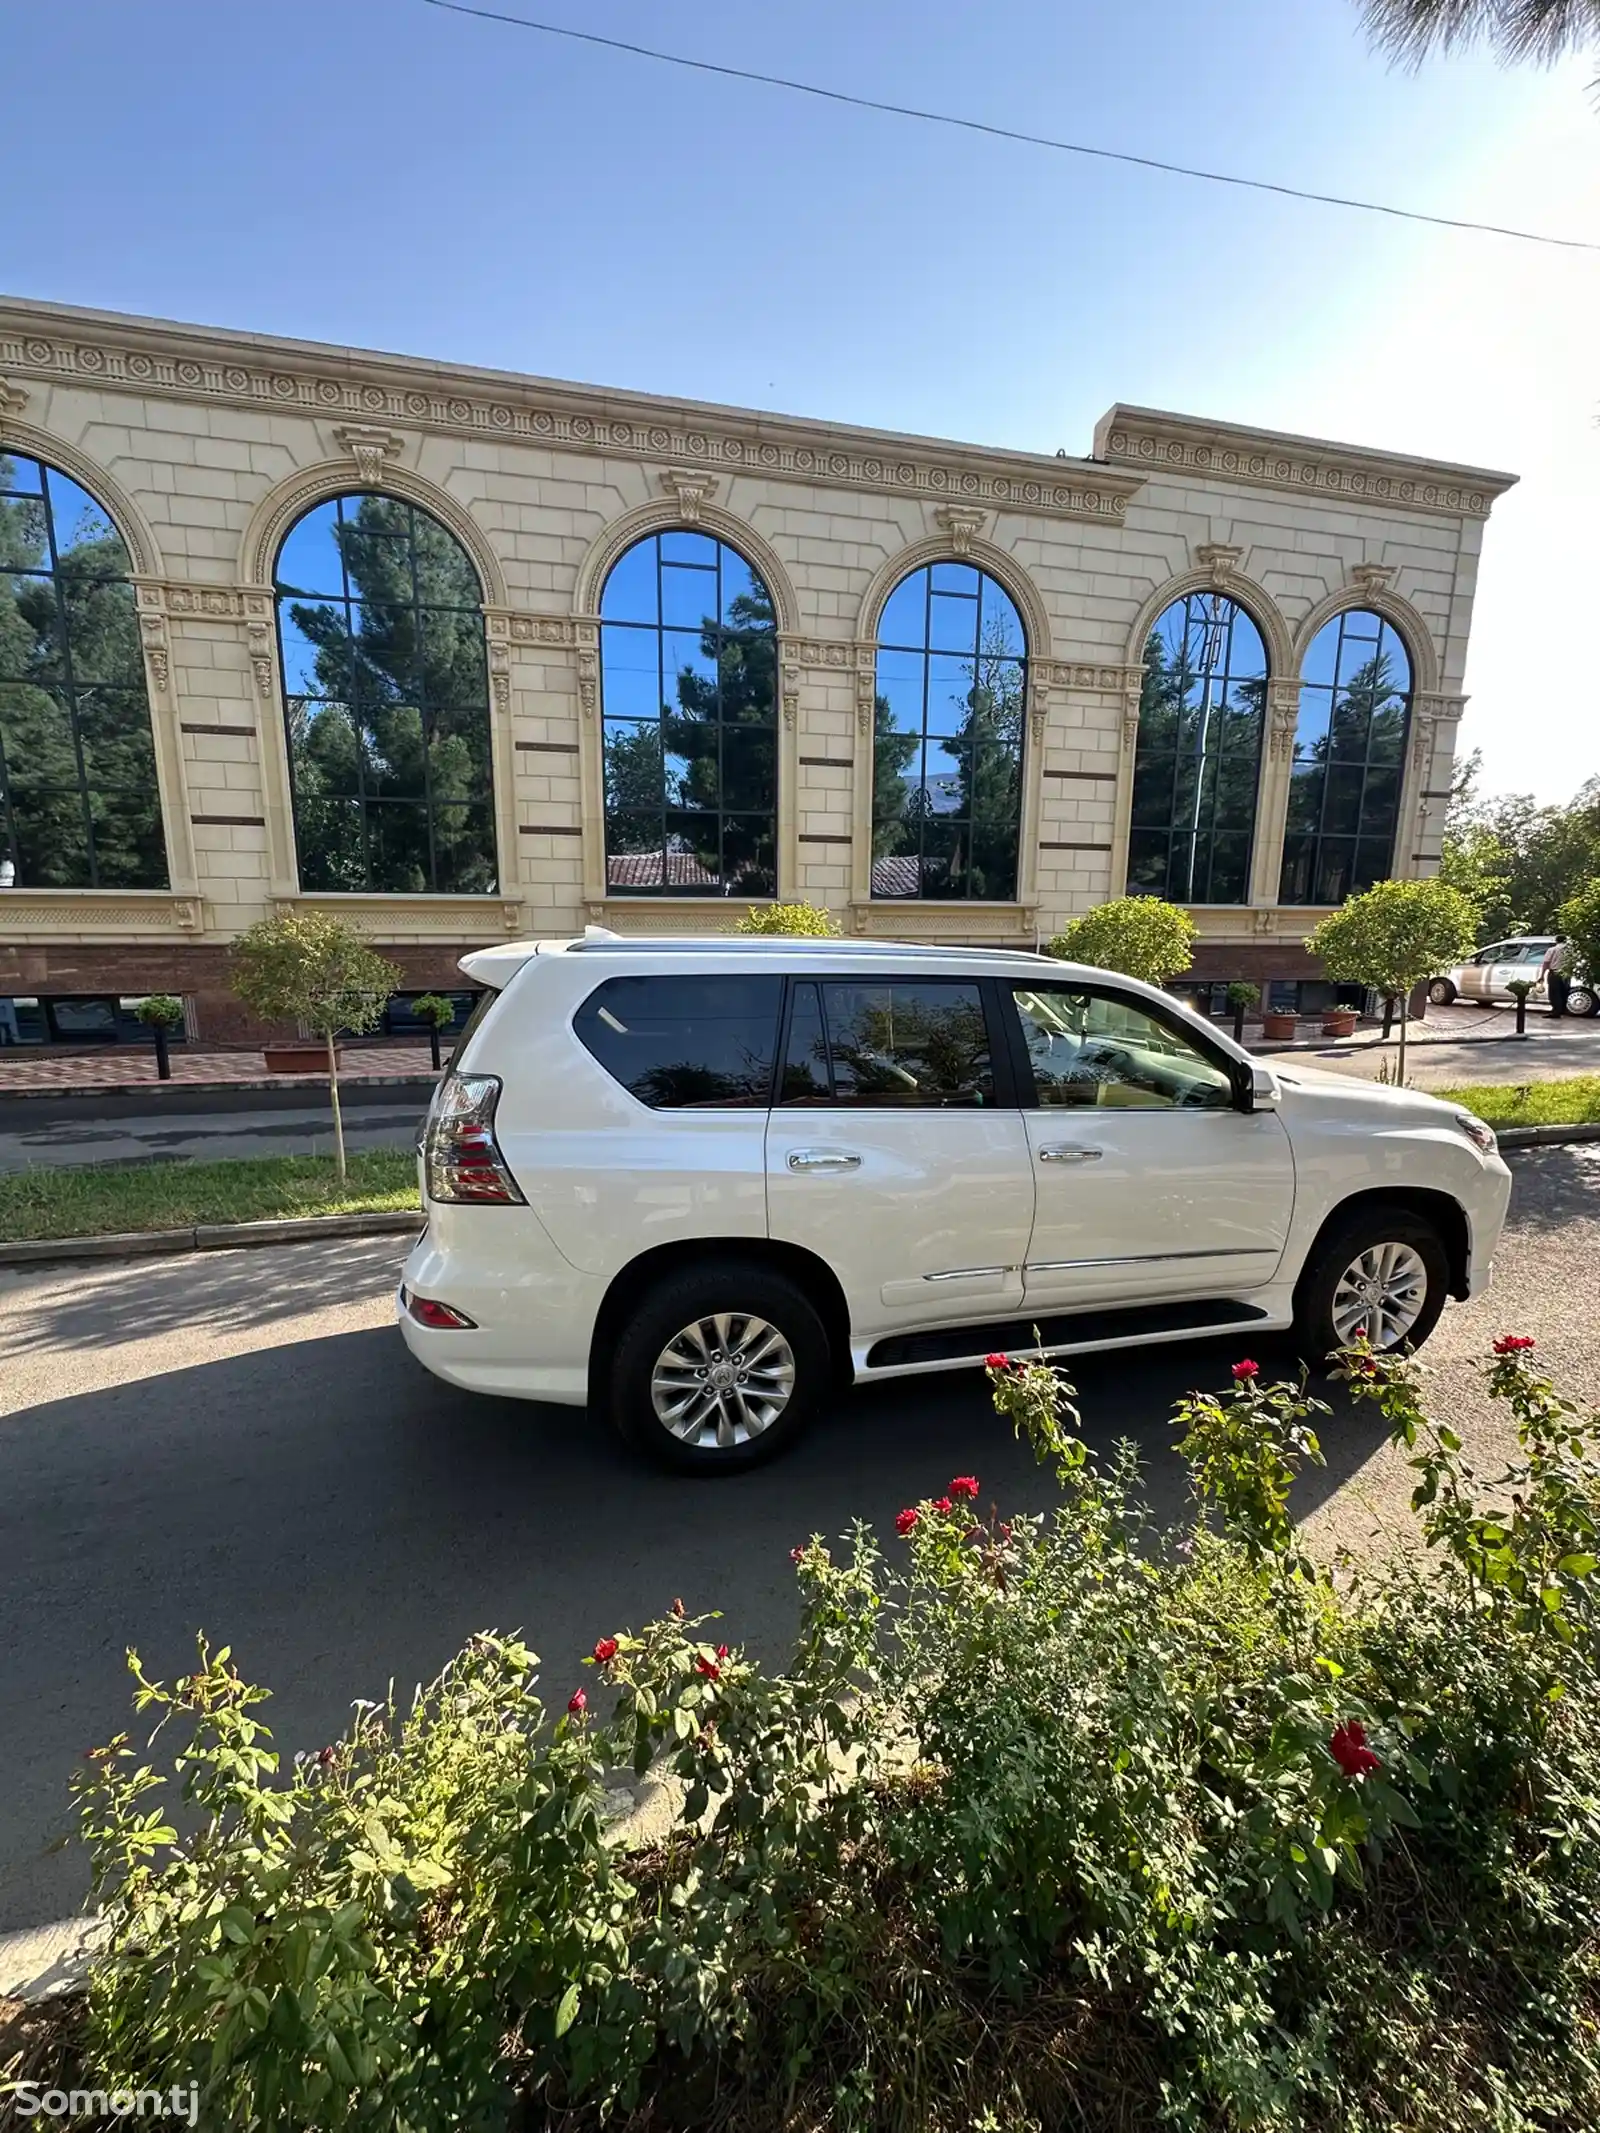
212, 1237
170, 1091
1545, 1136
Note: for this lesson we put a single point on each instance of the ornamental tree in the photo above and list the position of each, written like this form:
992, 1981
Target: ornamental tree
1394, 936
1142, 936
808, 919
319, 973
1579, 920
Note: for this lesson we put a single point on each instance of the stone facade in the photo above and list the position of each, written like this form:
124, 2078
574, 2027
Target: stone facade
205, 446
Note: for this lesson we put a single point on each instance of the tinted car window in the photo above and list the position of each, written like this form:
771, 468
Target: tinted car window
1094, 1048
686, 1043
917, 1044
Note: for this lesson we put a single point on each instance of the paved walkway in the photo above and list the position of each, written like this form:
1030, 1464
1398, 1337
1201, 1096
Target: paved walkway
187, 1132
26, 1072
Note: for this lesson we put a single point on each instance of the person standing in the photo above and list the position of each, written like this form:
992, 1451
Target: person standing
1556, 970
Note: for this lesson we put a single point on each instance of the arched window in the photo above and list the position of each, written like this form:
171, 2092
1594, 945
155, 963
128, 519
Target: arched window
386, 700
689, 675
79, 803
947, 738
1349, 753
1198, 759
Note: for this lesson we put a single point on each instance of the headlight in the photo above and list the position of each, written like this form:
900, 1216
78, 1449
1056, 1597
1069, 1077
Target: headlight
1480, 1135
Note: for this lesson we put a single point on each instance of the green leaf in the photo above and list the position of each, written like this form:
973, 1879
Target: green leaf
567, 2010
1577, 1566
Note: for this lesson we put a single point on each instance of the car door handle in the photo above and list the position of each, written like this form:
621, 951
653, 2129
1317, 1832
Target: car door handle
823, 1159
1070, 1155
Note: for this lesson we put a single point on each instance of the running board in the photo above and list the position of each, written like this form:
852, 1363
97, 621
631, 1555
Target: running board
1064, 1330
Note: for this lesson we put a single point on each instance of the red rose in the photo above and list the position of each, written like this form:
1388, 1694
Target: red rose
605, 1651
1246, 1370
1348, 1747
904, 1523
708, 1667
797, 1555
722, 1651
324, 1757
577, 1703
1513, 1343
964, 1485
997, 1362
942, 1504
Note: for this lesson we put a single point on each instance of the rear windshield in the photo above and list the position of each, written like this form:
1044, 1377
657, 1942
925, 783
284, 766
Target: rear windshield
686, 1043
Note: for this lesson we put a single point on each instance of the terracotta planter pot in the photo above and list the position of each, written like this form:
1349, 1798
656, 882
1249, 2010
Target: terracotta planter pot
1339, 1022
1279, 1028
299, 1058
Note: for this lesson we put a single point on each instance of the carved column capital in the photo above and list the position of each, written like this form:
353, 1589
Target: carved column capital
1370, 579
963, 523
369, 448
1283, 716
1220, 559
13, 399
691, 488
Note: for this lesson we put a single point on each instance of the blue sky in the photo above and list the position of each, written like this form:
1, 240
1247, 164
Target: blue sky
380, 173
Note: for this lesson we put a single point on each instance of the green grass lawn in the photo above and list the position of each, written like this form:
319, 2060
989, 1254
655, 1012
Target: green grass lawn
87, 1202
1572, 1102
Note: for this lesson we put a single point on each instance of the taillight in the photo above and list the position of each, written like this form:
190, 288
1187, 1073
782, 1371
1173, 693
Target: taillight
461, 1159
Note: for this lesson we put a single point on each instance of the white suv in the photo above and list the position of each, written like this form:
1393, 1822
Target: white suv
699, 1183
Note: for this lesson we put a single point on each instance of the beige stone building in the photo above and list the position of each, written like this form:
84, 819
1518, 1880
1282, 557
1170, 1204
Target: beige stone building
466, 654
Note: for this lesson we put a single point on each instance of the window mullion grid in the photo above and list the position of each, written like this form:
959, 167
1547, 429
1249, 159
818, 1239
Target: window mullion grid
664, 885
69, 686
424, 707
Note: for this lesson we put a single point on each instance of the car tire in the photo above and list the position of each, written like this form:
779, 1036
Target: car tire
672, 1349
1441, 992
1583, 1000
1407, 1255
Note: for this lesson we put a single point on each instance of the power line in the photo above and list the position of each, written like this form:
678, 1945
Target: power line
1008, 133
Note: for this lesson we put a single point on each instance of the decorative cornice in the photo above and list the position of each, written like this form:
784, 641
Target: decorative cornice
839, 656
369, 448
1158, 442
558, 632
392, 917
200, 364
114, 911
1080, 676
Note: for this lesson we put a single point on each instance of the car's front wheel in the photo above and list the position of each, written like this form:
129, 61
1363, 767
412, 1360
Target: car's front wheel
1441, 992
1381, 1272
719, 1367
1583, 1000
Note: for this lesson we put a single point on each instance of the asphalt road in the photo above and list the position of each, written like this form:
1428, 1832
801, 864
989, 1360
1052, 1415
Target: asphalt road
238, 1442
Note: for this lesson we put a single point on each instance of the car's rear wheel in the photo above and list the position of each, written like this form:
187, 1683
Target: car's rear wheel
1382, 1271
719, 1368
1441, 992
1583, 1000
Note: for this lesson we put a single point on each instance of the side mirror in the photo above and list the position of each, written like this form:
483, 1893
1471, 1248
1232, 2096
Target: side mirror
1264, 1092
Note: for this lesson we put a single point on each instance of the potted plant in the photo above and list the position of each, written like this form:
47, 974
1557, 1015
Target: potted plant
1519, 989
316, 971
159, 1013
438, 1013
1278, 1025
1339, 1021
1241, 998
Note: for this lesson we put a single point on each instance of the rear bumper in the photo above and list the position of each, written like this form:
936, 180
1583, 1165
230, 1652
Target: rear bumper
533, 1314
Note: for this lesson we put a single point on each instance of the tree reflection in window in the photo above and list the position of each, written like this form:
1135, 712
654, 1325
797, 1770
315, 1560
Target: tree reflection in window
1198, 760
947, 739
386, 698
79, 804
689, 670
1349, 754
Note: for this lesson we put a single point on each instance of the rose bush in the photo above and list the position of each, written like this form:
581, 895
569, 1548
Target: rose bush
1048, 1822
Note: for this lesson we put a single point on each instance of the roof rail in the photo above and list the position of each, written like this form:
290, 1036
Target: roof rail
779, 943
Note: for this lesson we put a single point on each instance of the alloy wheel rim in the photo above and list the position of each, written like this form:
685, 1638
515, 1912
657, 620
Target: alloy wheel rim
1381, 1293
723, 1380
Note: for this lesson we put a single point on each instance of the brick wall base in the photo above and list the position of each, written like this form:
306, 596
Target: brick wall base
199, 974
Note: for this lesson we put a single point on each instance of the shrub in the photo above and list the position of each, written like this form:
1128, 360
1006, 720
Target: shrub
1049, 1822
808, 919
1579, 920
1141, 936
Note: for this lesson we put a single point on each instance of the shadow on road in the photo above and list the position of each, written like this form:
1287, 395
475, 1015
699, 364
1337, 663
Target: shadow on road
343, 1520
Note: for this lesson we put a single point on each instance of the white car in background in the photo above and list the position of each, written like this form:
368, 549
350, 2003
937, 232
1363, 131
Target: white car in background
1488, 976
698, 1184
